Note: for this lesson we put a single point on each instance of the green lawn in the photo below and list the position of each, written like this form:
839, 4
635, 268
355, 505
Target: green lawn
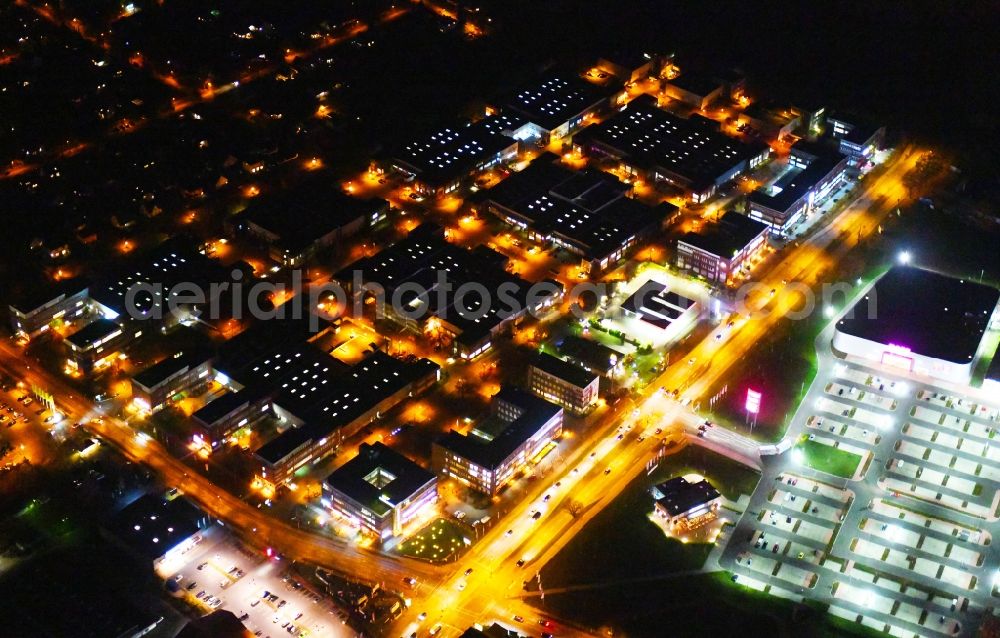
628, 577
621, 543
781, 367
696, 606
828, 459
440, 541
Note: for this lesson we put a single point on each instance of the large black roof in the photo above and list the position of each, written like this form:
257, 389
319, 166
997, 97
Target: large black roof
732, 234
931, 314
302, 215
452, 151
794, 186
424, 258
564, 370
649, 137
535, 412
379, 478
588, 209
554, 99
680, 495
163, 370
152, 525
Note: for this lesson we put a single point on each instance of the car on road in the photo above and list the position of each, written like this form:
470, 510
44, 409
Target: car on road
410, 581
520, 562
468, 571
607, 471
423, 616
536, 516
518, 619
509, 532
435, 630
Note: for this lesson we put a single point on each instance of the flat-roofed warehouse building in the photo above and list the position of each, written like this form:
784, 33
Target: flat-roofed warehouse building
296, 224
921, 321
559, 104
686, 504
697, 91
588, 213
723, 251
422, 277
563, 383
690, 154
519, 428
145, 285
590, 355
443, 161
138, 290
380, 490
631, 66
159, 383
321, 404
314, 400
816, 172
38, 308
858, 139
155, 529
97, 345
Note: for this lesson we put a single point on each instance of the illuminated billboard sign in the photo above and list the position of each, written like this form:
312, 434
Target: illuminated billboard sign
753, 401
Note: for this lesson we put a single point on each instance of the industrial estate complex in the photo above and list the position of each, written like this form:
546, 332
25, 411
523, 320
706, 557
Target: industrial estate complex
312, 369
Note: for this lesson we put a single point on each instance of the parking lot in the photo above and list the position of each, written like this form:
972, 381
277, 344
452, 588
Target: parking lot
904, 545
793, 531
220, 573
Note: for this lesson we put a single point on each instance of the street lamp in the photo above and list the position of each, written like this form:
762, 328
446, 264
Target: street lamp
904, 257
